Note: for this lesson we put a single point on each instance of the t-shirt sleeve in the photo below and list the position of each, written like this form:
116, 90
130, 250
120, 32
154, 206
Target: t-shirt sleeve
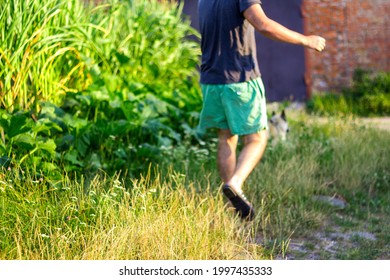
245, 4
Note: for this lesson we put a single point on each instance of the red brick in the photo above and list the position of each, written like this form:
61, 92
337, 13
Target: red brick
358, 36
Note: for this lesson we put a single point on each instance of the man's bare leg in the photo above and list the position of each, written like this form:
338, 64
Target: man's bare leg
226, 157
233, 172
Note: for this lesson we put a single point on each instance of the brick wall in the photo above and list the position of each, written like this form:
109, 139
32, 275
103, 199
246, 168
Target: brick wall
358, 35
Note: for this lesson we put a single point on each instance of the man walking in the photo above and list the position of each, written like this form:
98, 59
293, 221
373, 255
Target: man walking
233, 92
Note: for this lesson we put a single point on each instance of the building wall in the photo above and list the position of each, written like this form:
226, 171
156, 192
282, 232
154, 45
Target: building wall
358, 36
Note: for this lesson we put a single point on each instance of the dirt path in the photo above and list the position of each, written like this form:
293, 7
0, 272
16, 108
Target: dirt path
381, 123
296, 109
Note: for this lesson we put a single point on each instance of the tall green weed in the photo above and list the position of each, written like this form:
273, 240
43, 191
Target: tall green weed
39, 58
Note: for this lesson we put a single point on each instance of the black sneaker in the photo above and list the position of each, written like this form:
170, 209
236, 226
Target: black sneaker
240, 202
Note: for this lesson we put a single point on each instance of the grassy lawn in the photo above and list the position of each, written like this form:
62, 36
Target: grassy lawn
178, 212
91, 90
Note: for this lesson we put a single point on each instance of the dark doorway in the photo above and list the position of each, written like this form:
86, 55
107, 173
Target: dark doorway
191, 8
282, 65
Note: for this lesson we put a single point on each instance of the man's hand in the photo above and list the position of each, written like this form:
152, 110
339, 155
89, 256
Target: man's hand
315, 42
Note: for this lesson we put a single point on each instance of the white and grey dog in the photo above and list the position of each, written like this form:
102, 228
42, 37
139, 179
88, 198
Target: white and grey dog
278, 127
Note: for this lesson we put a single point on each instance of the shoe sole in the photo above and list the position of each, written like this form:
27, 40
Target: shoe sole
242, 206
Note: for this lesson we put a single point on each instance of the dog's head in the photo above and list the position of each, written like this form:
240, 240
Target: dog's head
278, 126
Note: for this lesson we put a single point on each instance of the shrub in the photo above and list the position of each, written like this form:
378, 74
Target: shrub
369, 96
110, 87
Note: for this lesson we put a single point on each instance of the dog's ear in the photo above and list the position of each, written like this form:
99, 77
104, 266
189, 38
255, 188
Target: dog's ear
283, 115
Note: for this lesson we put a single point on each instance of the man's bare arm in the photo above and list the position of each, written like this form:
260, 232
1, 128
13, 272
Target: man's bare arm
273, 30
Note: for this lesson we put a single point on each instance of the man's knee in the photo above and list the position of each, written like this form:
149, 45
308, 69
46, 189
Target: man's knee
224, 133
260, 137
225, 136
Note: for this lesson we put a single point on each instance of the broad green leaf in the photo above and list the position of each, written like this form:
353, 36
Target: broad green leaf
4, 124
49, 146
82, 144
100, 95
25, 141
48, 166
72, 157
46, 125
85, 100
75, 122
65, 142
18, 124
123, 59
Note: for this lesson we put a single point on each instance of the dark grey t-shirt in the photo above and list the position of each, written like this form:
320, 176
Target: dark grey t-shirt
228, 42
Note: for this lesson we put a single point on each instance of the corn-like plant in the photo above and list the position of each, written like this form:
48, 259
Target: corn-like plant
50, 47
37, 58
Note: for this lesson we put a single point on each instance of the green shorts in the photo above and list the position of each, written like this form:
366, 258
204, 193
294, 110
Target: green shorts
239, 107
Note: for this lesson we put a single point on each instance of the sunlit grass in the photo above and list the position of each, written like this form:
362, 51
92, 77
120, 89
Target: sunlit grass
113, 219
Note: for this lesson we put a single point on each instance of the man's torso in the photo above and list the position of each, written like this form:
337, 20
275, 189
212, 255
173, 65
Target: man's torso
228, 42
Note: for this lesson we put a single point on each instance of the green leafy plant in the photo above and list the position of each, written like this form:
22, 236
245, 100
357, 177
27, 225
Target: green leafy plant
121, 90
28, 141
369, 96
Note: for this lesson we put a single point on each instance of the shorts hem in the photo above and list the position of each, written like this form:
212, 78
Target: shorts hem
204, 128
250, 131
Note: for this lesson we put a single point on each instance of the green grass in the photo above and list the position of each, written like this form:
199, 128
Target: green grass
85, 88
177, 211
